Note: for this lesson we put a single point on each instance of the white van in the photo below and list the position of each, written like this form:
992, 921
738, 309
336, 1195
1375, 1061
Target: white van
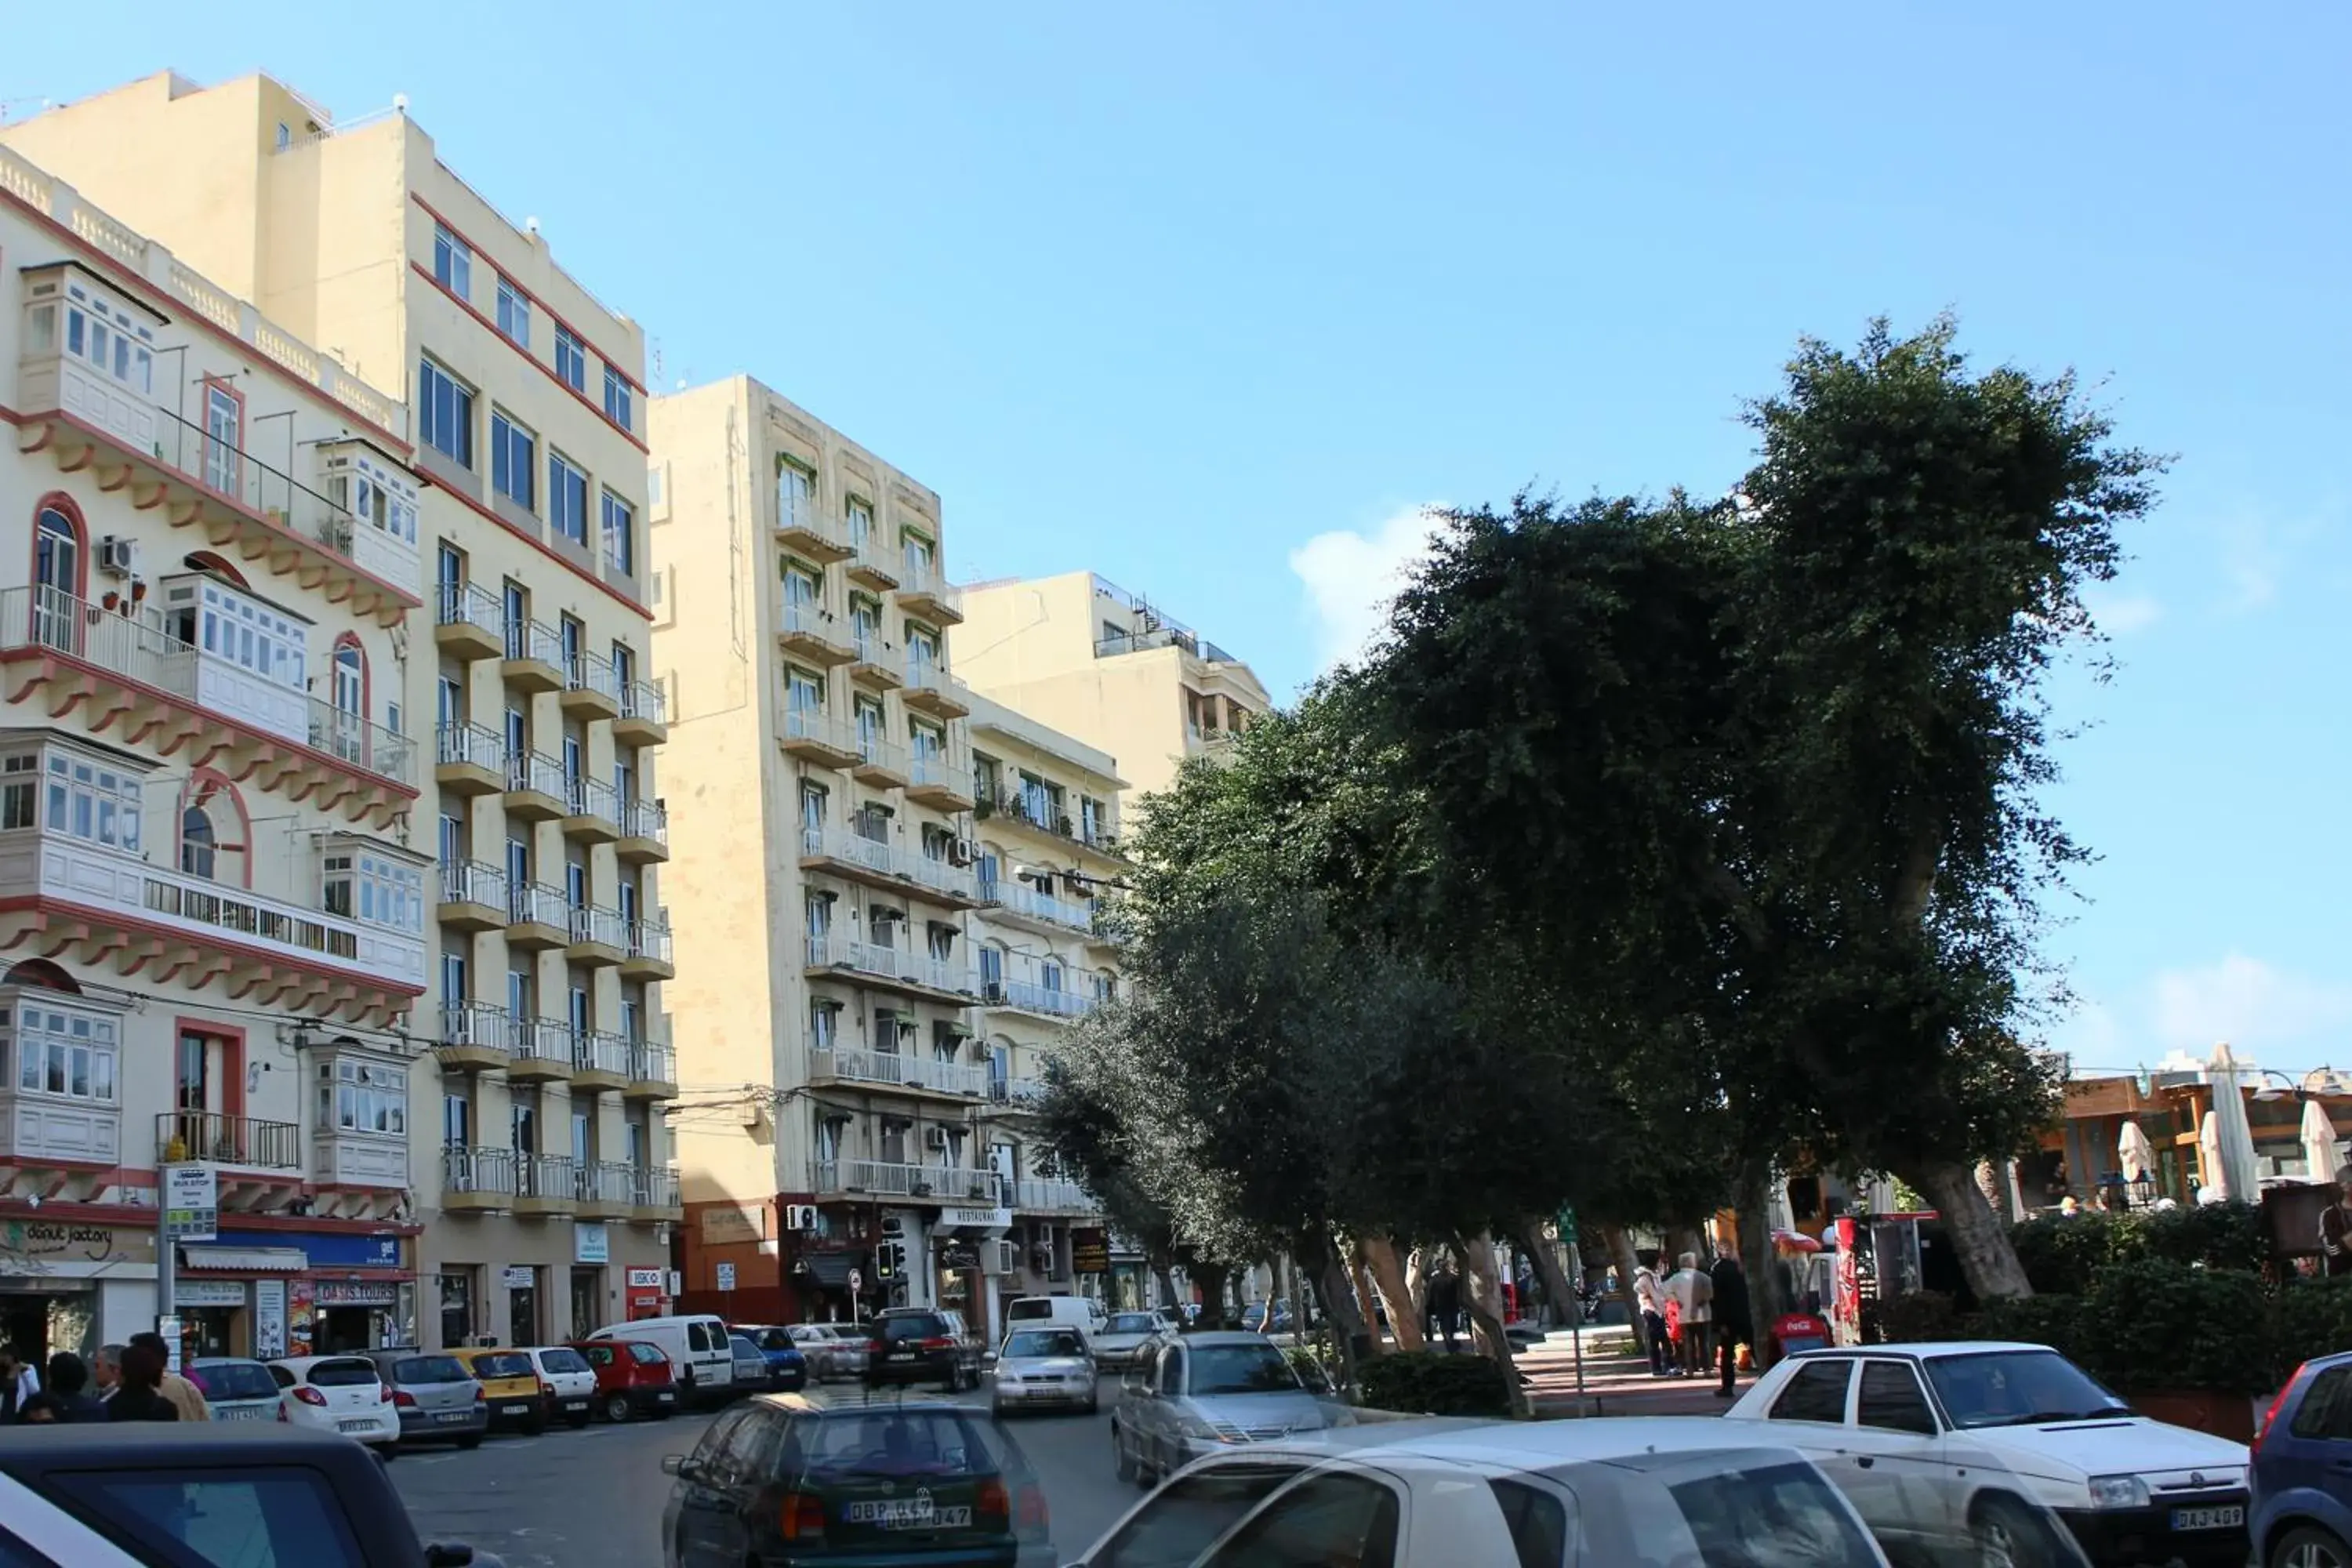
1083, 1313
697, 1344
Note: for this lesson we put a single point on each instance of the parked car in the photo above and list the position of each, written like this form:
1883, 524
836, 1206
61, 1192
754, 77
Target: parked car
1257, 1318
786, 1369
2302, 1483
1125, 1337
103, 1495
1083, 1313
2130, 1489
919, 1344
1206, 1393
695, 1343
832, 1350
438, 1400
1579, 1494
751, 1366
567, 1384
1050, 1366
509, 1388
906, 1483
235, 1388
343, 1393
634, 1377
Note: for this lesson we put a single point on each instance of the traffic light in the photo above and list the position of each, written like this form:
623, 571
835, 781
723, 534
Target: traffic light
883, 1268
898, 1257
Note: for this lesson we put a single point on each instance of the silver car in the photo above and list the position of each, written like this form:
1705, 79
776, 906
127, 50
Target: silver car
1126, 1339
1048, 1366
831, 1349
1207, 1393
438, 1400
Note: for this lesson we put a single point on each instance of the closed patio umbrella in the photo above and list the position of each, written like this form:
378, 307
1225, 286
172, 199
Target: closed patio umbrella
2237, 1133
2135, 1154
2213, 1177
2319, 1143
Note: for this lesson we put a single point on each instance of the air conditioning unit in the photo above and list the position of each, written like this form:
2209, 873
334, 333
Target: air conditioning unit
935, 1138
118, 556
1001, 1258
1041, 1260
959, 852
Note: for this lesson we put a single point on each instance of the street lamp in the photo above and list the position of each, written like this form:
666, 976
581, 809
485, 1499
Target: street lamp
2318, 1080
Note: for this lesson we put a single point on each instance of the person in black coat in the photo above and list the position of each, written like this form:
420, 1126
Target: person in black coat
1734, 1323
137, 1398
69, 1382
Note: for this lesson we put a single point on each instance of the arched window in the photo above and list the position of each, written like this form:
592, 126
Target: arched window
212, 831
58, 572
199, 846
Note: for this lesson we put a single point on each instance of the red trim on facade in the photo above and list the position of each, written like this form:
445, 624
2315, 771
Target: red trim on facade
218, 784
68, 508
544, 369
443, 220
41, 904
426, 477
211, 562
232, 1040
178, 312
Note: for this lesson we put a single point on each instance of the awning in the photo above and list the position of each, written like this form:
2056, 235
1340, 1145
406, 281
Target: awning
245, 1259
952, 1031
830, 1269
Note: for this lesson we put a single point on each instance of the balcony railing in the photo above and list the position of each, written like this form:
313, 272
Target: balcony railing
472, 745
1039, 811
820, 728
651, 1188
480, 1024
919, 579
943, 877
647, 939
896, 1179
595, 922
800, 617
925, 673
1032, 997
605, 1181
642, 818
1044, 1192
586, 797
474, 882
470, 604
904, 1069
539, 1040
652, 1061
536, 903
871, 647
536, 772
643, 701
601, 1050
841, 844
213, 1138
877, 753
546, 1176
535, 641
935, 772
468, 1170
1021, 899
590, 672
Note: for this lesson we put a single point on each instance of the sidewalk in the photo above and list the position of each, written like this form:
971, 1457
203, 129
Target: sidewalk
1616, 1382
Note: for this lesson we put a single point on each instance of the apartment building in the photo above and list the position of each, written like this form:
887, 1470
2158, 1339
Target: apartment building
540, 1167
1092, 660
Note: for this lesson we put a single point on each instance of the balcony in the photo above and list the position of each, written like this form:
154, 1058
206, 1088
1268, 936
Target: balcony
653, 1196
807, 532
875, 660
592, 691
890, 1178
645, 954
880, 763
592, 810
474, 896
226, 498
929, 691
925, 595
1045, 1001
870, 564
80, 902
534, 657
537, 790
342, 1157
600, 938
873, 863
653, 1071
137, 684
474, 1037
940, 783
469, 760
606, 1189
538, 1049
815, 736
1043, 1195
1020, 904
947, 883
469, 622
809, 632
39, 1130
1043, 813
645, 715
538, 918
476, 1180
207, 1137
898, 1070
831, 957
645, 833
546, 1184
600, 1061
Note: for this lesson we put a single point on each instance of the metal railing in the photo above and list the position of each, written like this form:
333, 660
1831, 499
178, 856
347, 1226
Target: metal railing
923, 580
470, 1170
539, 1040
1044, 1192
546, 1176
903, 1068
470, 604
595, 922
601, 1050
645, 701
816, 725
653, 1189
652, 1061
536, 903
896, 1178
209, 1137
647, 939
1040, 813
605, 1181
871, 647
925, 673
1032, 997
591, 672
477, 1024
474, 882
536, 772
536, 640
1016, 895
643, 819
586, 797
943, 876
841, 844
876, 752
933, 771
473, 745
804, 617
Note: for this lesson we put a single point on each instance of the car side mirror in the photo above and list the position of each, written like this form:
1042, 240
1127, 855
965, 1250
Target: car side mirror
677, 1464
448, 1555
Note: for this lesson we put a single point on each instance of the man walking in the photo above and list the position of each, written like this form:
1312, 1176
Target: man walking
106, 1371
1694, 1295
1445, 1303
1650, 1297
182, 1395
1733, 1322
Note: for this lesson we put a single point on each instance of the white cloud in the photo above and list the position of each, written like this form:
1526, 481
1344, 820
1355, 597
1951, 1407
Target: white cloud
1351, 578
2120, 614
2262, 1011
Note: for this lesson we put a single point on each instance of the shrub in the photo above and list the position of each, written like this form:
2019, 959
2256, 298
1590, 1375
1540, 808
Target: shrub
2153, 1326
1431, 1383
1921, 1316
2309, 1318
1307, 1362
2053, 1320
2066, 1256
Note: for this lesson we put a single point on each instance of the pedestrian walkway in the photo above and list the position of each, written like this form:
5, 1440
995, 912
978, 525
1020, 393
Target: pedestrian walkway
1616, 1382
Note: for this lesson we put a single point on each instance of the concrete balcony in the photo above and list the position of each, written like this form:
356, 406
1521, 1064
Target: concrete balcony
84, 903
930, 690
538, 918
876, 662
474, 1037
816, 538
940, 783
645, 715
814, 735
645, 833
592, 810
468, 759
476, 1180
600, 1061
133, 683
811, 633
926, 595
946, 881
534, 658
653, 1071
469, 622
257, 1164
537, 789
653, 1197
1043, 1195
606, 1189
871, 862
546, 1186
646, 953
538, 1049
880, 763
600, 938
871, 563
474, 896
591, 688
885, 1178
1043, 1000
892, 1069
1018, 903
833, 956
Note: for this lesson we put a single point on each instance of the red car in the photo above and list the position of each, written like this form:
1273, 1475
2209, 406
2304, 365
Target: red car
633, 1378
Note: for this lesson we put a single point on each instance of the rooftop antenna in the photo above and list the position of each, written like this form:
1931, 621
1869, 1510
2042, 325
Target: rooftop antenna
400, 104
531, 225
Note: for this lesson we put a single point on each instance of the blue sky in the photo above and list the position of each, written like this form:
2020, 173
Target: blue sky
1211, 297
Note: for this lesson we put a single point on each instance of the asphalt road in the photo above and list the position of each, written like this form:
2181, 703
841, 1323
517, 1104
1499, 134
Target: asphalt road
592, 1499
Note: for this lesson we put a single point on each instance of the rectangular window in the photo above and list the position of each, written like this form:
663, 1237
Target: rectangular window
457, 1120
19, 790
567, 500
453, 979
861, 526
98, 804
514, 455
453, 262
793, 489
571, 360
514, 313
619, 522
445, 414
625, 666
362, 1097
618, 407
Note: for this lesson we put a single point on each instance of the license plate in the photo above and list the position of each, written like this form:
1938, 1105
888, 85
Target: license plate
514, 1409
354, 1426
908, 1515
667, 1396
2208, 1518
902, 1355
575, 1405
244, 1413
454, 1416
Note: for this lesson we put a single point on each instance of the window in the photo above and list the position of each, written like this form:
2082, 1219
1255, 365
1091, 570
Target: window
1816, 1394
224, 623
990, 774
453, 262
375, 890
795, 493
992, 967
567, 500
514, 313
514, 455
89, 801
571, 359
20, 790
922, 555
861, 526
929, 739
1184, 1518
1891, 1399
1330, 1518
824, 1016
445, 414
2326, 1408
365, 1096
620, 524
221, 1518
617, 396
101, 334
64, 1053
453, 980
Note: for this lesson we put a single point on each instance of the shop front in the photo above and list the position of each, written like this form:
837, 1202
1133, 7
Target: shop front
291, 1294
958, 1239
643, 1298
70, 1286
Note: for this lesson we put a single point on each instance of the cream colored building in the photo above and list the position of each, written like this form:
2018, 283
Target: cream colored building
541, 1173
1091, 660
826, 861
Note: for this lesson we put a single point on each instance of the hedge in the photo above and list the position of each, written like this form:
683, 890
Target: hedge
1432, 1382
2066, 1255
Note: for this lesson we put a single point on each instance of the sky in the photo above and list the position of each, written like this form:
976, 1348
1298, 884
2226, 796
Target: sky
1214, 298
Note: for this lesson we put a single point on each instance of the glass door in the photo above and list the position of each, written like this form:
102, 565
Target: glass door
224, 439
56, 569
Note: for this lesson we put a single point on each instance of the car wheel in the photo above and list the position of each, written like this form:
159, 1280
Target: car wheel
2309, 1546
469, 1444
2009, 1536
1122, 1463
616, 1410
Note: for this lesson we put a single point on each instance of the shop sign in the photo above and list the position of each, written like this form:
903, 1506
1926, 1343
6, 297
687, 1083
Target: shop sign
516, 1277
299, 1317
976, 1219
354, 1292
958, 1257
646, 1279
191, 1203
590, 1243
725, 1276
1089, 1251
208, 1293
51, 1239
326, 1250
268, 1319
727, 1224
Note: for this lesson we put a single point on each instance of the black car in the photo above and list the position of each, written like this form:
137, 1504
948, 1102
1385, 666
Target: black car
171, 1493
786, 1475
915, 1344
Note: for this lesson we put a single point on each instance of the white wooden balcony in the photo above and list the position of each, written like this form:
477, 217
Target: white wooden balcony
1019, 902
899, 1070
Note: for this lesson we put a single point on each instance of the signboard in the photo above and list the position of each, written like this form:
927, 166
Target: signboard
516, 1277
191, 1203
800, 1216
725, 1223
591, 1243
268, 1319
676, 1283
301, 1317
354, 1292
208, 1293
646, 1279
1090, 1251
325, 1250
856, 1281
170, 1329
976, 1219
725, 1276
643, 1300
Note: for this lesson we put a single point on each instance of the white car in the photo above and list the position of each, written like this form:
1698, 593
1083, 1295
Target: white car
343, 1393
1884, 1420
1123, 1339
568, 1382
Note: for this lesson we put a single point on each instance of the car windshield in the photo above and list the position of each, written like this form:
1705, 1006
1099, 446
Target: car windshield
743, 1347
1023, 1311
233, 1380
503, 1363
1133, 1323
1043, 1342
646, 1355
562, 1360
2017, 1388
1240, 1369
915, 1328
429, 1369
769, 1338
343, 1373
897, 1444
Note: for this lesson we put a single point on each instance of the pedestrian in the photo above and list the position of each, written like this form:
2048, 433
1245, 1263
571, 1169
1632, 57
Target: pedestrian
19, 1382
1734, 1323
1445, 1303
185, 1396
138, 1398
1694, 1295
2336, 1226
1650, 1296
69, 1386
40, 1409
106, 1371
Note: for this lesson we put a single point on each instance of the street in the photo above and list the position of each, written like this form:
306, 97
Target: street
593, 1499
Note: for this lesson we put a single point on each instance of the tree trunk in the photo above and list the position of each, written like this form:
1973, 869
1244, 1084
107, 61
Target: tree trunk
1621, 1256
1324, 1269
1561, 1296
1988, 1260
1387, 1274
1360, 1278
1416, 1282
1482, 1297
1756, 1256
1209, 1279
1992, 1180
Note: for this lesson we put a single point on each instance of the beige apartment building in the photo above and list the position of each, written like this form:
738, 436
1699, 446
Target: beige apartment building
845, 1154
1092, 660
540, 1170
